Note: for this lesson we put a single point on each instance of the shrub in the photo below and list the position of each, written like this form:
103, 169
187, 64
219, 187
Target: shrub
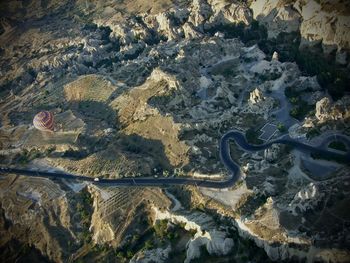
300, 110
252, 136
312, 133
129, 254
120, 255
294, 100
161, 228
338, 145
281, 127
148, 245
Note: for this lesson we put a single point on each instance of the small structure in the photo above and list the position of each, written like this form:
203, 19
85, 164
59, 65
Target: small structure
268, 130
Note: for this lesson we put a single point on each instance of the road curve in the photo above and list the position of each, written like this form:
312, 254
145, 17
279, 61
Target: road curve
224, 150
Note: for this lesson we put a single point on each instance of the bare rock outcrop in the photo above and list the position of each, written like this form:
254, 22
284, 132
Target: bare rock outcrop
328, 111
232, 12
276, 16
258, 103
35, 209
325, 22
157, 255
308, 197
207, 234
101, 230
190, 31
275, 56
256, 96
200, 12
271, 154
306, 84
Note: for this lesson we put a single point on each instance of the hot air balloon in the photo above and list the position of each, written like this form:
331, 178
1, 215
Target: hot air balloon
43, 121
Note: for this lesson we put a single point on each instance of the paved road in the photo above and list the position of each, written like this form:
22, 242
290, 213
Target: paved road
225, 157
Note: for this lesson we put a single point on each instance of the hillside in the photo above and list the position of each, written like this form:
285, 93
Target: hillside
147, 89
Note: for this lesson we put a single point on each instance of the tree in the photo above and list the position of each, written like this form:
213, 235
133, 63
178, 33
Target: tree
252, 136
294, 112
148, 245
165, 173
120, 255
161, 228
129, 254
294, 100
135, 237
281, 127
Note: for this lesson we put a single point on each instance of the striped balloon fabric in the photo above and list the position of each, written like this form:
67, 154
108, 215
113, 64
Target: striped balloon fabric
43, 121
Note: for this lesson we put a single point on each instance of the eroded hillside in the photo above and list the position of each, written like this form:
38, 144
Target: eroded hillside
147, 89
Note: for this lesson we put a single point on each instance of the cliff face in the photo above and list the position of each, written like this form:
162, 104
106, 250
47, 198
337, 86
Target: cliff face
278, 16
146, 88
35, 217
215, 241
319, 22
327, 111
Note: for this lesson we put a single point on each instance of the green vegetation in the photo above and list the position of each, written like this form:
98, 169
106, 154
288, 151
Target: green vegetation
338, 159
161, 234
27, 156
163, 37
252, 136
270, 76
227, 72
252, 203
75, 154
300, 108
338, 145
148, 245
85, 211
300, 111
312, 133
161, 228
164, 232
281, 127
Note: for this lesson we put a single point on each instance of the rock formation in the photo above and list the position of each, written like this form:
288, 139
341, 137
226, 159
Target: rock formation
256, 96
326, 110
206, 235
278, 16
318, 22
147, 88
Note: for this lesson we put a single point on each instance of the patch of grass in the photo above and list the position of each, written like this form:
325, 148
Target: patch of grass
301, 108
329, 157
338, 145
83, 207
290, 92
161, 228
253, 202
312, 133
281, 127
252, 136
27, 155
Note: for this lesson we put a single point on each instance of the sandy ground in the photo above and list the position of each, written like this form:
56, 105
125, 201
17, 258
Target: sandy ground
225, 196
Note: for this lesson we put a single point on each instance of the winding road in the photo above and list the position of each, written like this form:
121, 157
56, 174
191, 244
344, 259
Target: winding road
225, 157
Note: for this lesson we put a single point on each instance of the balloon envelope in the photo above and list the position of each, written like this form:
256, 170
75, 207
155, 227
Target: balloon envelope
43, 121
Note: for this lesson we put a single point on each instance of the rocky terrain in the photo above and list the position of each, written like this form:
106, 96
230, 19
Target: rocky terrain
147, 89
